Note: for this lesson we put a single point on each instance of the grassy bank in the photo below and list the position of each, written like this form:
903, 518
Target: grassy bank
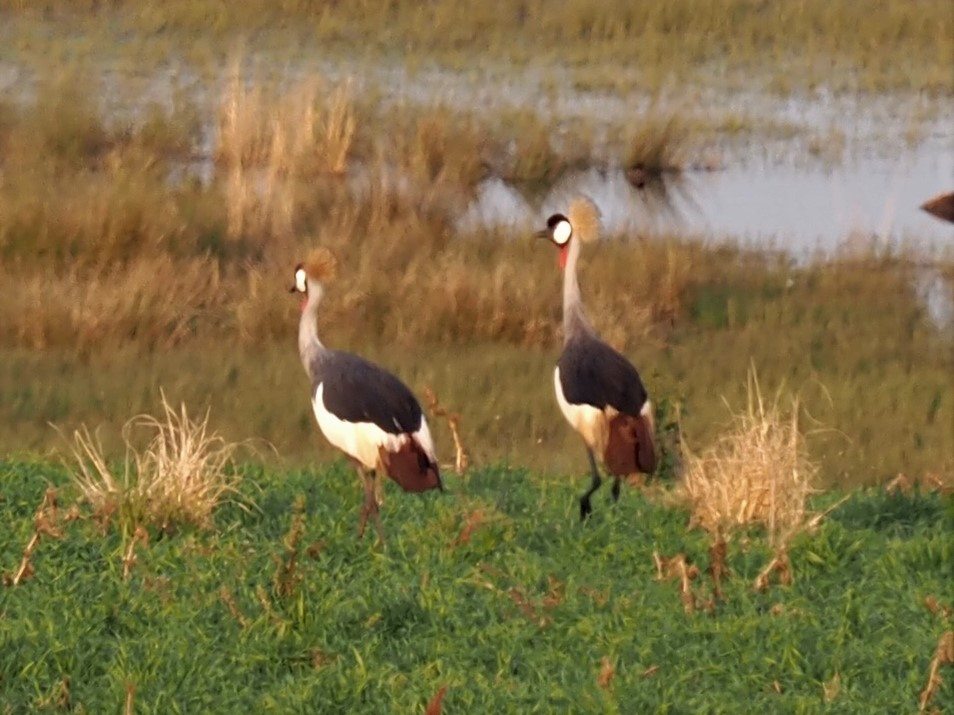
492, 591
874, 46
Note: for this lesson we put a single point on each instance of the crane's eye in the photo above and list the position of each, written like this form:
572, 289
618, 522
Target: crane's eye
562, 232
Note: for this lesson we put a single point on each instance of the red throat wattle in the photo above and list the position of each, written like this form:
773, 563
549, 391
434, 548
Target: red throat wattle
564, 250
304, 302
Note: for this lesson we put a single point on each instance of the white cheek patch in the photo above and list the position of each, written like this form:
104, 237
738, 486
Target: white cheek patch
562, 232
301, 283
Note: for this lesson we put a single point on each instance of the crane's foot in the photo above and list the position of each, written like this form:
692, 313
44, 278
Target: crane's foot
585, 508
616, 488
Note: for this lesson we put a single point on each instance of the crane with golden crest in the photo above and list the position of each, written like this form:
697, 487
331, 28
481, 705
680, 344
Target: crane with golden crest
361, 408
598, 390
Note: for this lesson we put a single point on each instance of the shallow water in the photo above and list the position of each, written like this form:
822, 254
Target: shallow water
806, 211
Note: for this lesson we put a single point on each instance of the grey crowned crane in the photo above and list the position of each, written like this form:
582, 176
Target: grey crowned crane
362, 409
598, 390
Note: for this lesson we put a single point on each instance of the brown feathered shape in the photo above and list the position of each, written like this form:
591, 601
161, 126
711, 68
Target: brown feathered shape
941, 206
585, 219
630, 445
321, 265
410, 468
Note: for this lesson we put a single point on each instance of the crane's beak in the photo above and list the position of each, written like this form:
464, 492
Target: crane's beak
293, 289
544, 233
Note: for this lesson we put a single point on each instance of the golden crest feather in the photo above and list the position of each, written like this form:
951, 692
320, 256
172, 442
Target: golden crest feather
321, 265
585, 218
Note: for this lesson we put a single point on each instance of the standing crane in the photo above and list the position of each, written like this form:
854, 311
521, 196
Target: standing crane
599, 391
362, 409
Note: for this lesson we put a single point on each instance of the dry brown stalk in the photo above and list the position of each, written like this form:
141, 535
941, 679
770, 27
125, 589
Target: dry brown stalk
130, 694
936, 607
607, 671
600, 598
26, 568
780, 565
474, 519
44, 523
129, 559
266, 604
943, 655
831, 688
677, 566
554, 593
434, 707
718, 568
651, 670
229, 600
901, 483
286, 577
461, 458
816, 520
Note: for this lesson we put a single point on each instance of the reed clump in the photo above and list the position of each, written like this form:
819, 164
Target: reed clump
758, 472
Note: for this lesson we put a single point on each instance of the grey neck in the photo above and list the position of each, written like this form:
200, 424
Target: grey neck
574, 320
309, 345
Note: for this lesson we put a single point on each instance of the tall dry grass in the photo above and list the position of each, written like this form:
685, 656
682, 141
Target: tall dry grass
151, 303
271, 140
757, 473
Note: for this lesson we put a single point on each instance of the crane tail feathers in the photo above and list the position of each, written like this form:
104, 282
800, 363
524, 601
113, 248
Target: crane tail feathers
411, 468
631, 445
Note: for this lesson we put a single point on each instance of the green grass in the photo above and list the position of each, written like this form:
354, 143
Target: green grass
517, 619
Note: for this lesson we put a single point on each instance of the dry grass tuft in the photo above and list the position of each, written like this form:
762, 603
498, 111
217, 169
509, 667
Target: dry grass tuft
757, 473
180, 476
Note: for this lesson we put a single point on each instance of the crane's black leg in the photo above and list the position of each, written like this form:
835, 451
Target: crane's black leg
585, 507
616, 486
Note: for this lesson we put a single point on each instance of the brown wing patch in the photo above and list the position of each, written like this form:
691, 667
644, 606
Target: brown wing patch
411, 468
630, 446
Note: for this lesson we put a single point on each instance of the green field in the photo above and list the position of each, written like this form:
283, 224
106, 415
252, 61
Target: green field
492, 589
